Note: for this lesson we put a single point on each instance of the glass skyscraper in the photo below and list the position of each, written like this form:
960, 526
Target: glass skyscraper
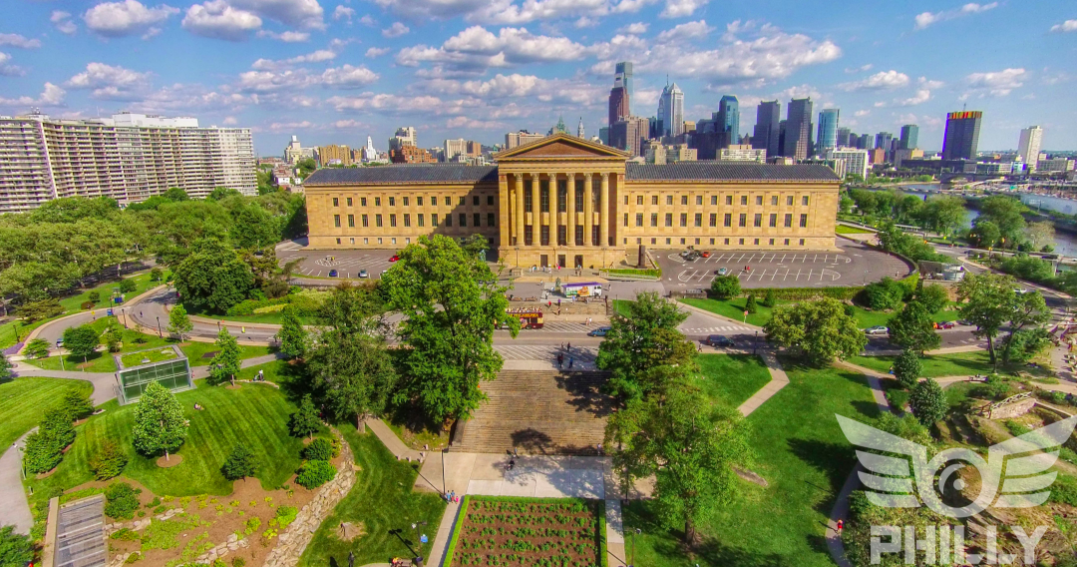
671, 110
910, 136
729, 117
827, 137
962, 135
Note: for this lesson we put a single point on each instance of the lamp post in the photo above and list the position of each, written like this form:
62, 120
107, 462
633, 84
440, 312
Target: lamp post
419, 559
124, 313
160, 335
635, 533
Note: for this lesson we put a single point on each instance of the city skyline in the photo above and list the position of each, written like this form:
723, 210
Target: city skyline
336, 72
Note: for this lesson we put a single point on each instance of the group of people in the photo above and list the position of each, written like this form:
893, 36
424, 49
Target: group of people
561, 357
451, 497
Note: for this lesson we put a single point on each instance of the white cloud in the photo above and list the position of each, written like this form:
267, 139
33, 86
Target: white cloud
110, 82
368, 21
129, 17
16, 40
921, 96
509, 12
883, 80
230, 121
396, 30
343, 12
999, 83
316, 57
928, 18
637, 28
286, 37
681, 8
585, 22
350, 124
475, 48
377, 51
861, 113
302, 14
7, 69
348, 77
573, 92
1065, 27
930, 84
860, 69
388, 102
216, 19
685, 31
465, 122
62, 21
267, 79
51, 96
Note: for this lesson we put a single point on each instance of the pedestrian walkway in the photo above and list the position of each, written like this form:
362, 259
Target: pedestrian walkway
12, 496
778, 380
583, 358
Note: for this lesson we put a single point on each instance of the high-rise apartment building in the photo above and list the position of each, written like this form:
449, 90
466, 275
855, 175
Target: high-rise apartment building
624, 71
334, 155
405, 136
864, 142
728, 118
1029, 146
513, 139
295, 151
962, 135
629, 135
765, 136
827, 137
798, 131
671, 110
856, 161
454, 148
618, 103
129, 157
910, 137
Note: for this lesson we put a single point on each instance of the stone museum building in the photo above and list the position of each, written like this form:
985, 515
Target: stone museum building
566, 201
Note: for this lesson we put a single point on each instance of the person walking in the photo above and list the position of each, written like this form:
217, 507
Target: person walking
841, 526
571, 361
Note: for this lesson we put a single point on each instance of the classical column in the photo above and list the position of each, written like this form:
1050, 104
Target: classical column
604, 209
553, 210
570, 224
536, 211
588, 209
519, 212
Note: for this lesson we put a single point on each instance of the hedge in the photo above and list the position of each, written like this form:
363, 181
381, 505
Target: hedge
461, 514
313, 474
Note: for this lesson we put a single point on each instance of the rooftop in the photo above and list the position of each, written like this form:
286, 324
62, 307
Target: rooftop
404, 173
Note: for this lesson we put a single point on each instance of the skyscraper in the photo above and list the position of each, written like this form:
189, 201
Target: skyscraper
910, 136
798, 141
883, 139
844, 135
618, 101
828, 130
624, 70
962, 134
729, 118
1029, 146
765, 135
671, 110
864, 142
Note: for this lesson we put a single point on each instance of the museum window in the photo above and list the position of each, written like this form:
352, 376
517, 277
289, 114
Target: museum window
491, 219
788, 220
714, 200
639, 219
362, 201
336, 202
366, 221
490, 200
654, 201
377, 221
639, 199
684, 219
714, 220
669, 219
349, 201
475, 200
758, 199
476, 219
789, 200
758, 220
392, 201
743, 199
433, 200
654, 241
418, 201
742, 242
773, 220
787, 242
544, 235
544, 197
420, 219
699, 219
729, 199
728, 220
448, 220
434, 221
338, 241
756, 243
626, 199
463, 201
669, 199
727, 242
774, 200
803, 221
407, 221
802, 242
336, 221
463, 220
405, 201
712, 242
351, 221
654, 219
699, 199
743, 219
772, 242
392, 221
626, 219
804, 201
684, 199
377, 201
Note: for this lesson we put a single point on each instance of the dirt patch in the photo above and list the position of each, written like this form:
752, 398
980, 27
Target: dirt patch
170, 461
524, 532
348, 531
46, 474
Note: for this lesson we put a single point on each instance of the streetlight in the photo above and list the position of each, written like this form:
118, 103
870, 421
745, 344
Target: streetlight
160, 335
634, 534
415, 526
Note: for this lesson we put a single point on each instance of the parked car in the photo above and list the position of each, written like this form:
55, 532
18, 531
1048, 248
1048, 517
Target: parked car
945, 325
394, 258
964, 322
719, 341
332, 273
599, 332
723, 271
706, 254
877, 330
363, 274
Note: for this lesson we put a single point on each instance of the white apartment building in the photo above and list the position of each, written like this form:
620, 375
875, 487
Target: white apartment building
1028, 147
743, 152
129, 158
454, 148
1055, 165
513, 139
855, 160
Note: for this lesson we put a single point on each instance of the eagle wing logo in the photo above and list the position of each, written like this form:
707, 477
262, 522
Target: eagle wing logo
898, 473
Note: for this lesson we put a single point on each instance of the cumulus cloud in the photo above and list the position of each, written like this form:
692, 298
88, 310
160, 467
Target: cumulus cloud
883, 80
286, 37
396, 30
230, 121
377, 52
348, 77
999, 83
572, 92
7, 69
62, 21
926, 19
690, 30
51, 96
681, 8
302, 14
343, 12
921, 96
16, 40
637, 28
860, 69
861, 113
315, 57
268, 80
465, 122
109, 82
217, 19
511, 12
126, 18
1065, 27
368, 21
478, 48
387, 102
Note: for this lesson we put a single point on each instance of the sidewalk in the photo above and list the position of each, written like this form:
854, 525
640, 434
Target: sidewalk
12, 496
778, 380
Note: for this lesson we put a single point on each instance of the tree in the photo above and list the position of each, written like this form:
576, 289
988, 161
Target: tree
750, 305
945, 215
128, 285
691, 445
77, 404
989, 301
883, 295
226, 363
928, 402
474, 244
985, 234
1024, 345
817, 330
304, 422
94, 297
239, 464
933, 297
845, 204
212, 278
451, 303
56, 425
155, 275
640, 342
37, 348
292, 335
175, 194
1029, 312
81, 341
1040, 234
1007, 213
771, 298
15, 549
5, 369
913, 329
159, 423
108, 461
907, 368
179, 322
355, 372
725, 287
113, 335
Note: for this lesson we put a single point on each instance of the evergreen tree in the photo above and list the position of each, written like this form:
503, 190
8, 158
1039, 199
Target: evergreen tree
77, 404
770, 299
179, 322
292, 336
928, 402
239, 464
15, 549
750, 305
907, 369
305, 421
160, 427
5, 369
225, 364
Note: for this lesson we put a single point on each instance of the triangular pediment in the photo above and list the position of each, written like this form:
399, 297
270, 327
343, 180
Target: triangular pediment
562, 146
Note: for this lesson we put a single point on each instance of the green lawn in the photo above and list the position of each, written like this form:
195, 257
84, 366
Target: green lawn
255, 415
649, 273
733, 309
846, 229
732, 377
934, 366
801, 452
383, 502
196, 350
620, 307
103, 361
23, 402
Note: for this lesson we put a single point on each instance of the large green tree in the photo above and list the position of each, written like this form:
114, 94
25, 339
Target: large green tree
81, 341
16, 549
990, 302
293, 337
913, 329
1007, 213
816, 330
213, 278
160, 427
642, 340
179, 322
451, 303
928, 402
226, 363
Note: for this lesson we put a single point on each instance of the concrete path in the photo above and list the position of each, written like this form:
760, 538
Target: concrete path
12, 496
778, 380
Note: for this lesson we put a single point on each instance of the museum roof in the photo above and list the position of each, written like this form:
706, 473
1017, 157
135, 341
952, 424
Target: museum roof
404, 173
727, 171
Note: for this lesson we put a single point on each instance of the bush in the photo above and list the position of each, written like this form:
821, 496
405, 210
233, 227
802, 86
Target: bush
77, 405
94, 297
750, 305
933, 297
42, 453
907, 369
318, 450
770, 299
155, 275
15, 549
313, 474
108, 461
725, 287
121, 501
240, 464
37, 348
40, 310
128, 285
86, 305
883, 295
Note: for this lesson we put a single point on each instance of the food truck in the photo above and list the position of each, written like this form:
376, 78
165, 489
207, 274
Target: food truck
584, 289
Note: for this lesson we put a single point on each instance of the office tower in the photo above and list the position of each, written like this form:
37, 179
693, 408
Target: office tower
765, 135
513, 139
454, 148
629, 135
1029, 146
864, 142
910, 136
828, 129
624, 70
405, 136
962, 134
129, 157
604, 135
882, 140
671, 110
334, 155
619, 103
728, 118
798, 131
842, 140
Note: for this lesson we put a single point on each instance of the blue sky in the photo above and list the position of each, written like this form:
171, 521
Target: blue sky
335, 71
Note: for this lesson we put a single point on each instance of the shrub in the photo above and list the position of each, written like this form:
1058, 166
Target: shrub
883, 295
238, 562
155, 275
77, 405
108, 461
42, 453
93, 297
750, 305
318, 450
770, 299
725, 287
928, 402
15, 549
240, 464
313, 474
39, 310
128, 285
121, 501
907, 369
57, 425
86, 305
37, 348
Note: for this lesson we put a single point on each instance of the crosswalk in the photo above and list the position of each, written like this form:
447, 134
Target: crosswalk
716, 330
584, 355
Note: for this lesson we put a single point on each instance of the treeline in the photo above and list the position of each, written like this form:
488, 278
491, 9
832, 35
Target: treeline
945, 215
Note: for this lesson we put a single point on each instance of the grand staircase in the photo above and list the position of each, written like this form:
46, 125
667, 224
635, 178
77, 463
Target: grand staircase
538, 413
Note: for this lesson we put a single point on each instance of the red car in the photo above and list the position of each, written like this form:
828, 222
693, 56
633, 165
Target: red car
394, 258
945, 325
706, 254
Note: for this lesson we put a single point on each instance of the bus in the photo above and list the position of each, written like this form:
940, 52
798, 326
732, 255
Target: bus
582, 289
529, 318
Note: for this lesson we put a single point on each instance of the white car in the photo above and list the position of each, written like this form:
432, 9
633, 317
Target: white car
877, 330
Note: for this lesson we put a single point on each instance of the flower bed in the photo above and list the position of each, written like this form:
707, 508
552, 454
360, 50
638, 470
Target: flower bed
529, 532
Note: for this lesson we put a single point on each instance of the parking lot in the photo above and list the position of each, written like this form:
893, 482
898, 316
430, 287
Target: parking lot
347, 263
854, 265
